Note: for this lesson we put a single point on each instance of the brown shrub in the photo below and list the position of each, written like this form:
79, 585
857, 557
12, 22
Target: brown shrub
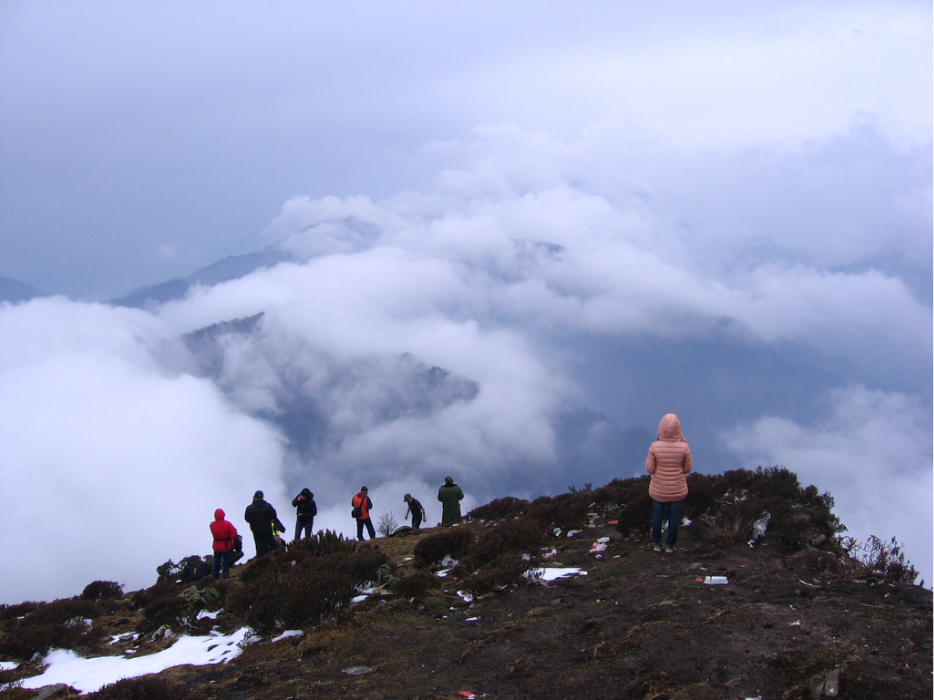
500, 509
432, 549
511, 537
142, 598
11, 612
505, 570
416, 584
148, 688
567, 511
102, 590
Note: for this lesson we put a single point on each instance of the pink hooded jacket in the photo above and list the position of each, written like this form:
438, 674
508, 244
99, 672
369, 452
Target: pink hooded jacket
668, 461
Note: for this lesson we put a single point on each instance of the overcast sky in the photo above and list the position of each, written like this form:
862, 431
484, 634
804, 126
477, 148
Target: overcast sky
717, 209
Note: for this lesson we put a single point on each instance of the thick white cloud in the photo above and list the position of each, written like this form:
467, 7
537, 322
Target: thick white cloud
111, 464
874, 457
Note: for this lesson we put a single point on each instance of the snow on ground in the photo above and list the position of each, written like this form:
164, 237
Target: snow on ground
88, 675
552, 574
8, 665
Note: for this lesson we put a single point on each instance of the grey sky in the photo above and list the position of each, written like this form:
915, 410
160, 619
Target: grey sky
585, 214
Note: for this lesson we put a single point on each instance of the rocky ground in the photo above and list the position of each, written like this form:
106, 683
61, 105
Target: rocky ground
639, 624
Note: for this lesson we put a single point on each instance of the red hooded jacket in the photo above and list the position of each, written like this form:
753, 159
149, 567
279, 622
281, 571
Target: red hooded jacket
223, 532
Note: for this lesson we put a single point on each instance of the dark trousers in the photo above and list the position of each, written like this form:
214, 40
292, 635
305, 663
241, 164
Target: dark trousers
369, 528
221, 559
416, 519
674, 521
264, 543
303, 525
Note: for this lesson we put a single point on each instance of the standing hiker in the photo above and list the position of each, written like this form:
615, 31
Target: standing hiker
668, 462
224, 534
262, 518
305, 514
361, 513
450, 496
416, 509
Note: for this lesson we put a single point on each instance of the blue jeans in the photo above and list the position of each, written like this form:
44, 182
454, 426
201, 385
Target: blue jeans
674, 521
305, 525
221, 558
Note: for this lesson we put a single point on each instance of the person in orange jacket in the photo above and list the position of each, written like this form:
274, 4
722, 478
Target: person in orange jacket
361, 512
224, 534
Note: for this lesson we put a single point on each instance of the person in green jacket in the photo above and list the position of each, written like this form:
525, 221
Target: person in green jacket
450, 496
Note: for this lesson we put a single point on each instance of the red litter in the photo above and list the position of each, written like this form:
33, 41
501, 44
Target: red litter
467, 694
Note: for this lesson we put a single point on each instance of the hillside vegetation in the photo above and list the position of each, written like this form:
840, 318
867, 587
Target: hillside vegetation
806, 613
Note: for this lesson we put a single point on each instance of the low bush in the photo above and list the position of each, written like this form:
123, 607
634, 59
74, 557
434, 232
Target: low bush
500, 509
148, 688
11, 612
102, 590
142, 598
416, 584
504, 570
454, 542
567, 511
322, 543
521, 536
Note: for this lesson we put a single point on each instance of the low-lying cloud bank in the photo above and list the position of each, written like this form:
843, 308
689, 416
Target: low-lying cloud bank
522, 325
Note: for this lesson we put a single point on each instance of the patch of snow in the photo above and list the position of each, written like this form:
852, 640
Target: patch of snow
8, 665
209, 615
555, 573
286, 635
89, 675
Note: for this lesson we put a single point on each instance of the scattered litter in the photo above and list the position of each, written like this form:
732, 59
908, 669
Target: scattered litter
558, 532
809, 585
612, 522
472, 619
759, 527
716, 580
408, 559
286, 635
468, 598
796, 623
357, 670
571, 533
442, 573
551, 554
603, 540
357, 599
467, 694
448, 561
597, 547
685, 522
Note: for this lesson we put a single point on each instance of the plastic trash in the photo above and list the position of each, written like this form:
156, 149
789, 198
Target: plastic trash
603, 540
557, 532
759, 527
357, 670
597, 547
467, 694
571, 533
549, 555
716, 580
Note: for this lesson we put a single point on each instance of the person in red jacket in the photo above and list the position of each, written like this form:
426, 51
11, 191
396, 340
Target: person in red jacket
224, 534
669, 461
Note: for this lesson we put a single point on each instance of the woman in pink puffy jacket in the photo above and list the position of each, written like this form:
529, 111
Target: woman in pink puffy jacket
668, 462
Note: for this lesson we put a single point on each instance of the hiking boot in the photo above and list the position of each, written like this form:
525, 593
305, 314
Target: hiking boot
669, 550
657, 548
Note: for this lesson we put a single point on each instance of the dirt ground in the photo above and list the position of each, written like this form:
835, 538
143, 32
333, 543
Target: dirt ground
639, 624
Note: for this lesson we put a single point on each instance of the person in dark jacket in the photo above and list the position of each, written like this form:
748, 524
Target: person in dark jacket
361, 502
262, 518
450, 496
305, 515
224, 534
416, 509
